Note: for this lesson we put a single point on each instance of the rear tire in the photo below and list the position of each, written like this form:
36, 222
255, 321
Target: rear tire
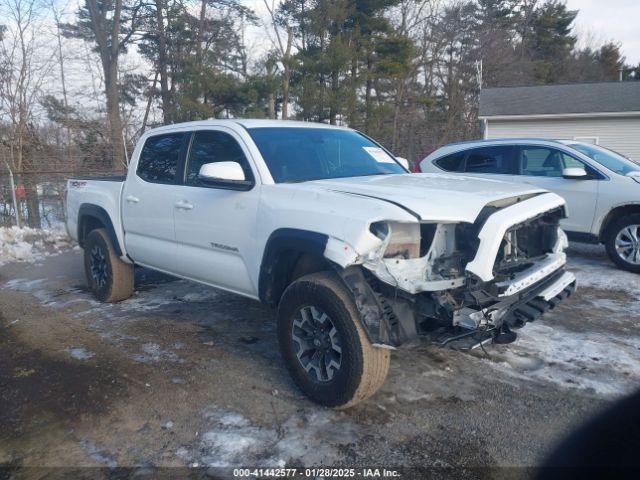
109, 278
317, 314
622, 248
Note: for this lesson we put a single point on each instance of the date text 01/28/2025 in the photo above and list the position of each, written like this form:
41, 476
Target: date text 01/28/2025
315, 472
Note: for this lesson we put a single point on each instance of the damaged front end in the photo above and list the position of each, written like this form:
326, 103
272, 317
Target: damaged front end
463, 284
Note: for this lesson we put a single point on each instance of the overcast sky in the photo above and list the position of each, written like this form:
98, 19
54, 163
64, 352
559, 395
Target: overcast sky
617, 20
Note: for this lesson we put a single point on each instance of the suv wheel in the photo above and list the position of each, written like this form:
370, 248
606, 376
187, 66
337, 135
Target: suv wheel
109, 278
323, 344
623, 243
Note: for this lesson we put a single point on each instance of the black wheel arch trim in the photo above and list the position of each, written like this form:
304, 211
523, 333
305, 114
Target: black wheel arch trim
89, 210
274, 267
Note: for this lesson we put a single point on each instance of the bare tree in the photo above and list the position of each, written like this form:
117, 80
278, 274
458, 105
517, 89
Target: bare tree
283, 44
63, 83
111, 26
25, 63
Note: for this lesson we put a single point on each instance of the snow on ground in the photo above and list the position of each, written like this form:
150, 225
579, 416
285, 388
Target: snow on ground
605, 361
233, 440
30, 244
594, 269
80, 353
605, 364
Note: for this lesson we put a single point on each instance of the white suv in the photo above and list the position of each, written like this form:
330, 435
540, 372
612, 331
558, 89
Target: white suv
601, 187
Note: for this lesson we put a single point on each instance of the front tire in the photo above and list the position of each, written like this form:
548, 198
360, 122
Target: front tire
323, 344
623, 243
109, 278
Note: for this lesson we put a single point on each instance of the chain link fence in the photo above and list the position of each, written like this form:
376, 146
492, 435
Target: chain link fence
40, 198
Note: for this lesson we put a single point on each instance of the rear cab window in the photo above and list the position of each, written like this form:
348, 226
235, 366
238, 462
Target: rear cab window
160, 158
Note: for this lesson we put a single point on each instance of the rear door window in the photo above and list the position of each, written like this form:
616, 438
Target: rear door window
160, 158
496, 160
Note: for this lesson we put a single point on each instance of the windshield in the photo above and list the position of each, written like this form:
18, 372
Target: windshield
302, 154
607, 158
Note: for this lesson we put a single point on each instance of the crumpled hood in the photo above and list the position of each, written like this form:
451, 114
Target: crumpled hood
430, 196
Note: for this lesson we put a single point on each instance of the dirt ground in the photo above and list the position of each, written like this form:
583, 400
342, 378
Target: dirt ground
184, 375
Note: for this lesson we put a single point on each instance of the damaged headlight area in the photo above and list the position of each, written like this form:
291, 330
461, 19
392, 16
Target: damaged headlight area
417, 278
402, 240
417, 256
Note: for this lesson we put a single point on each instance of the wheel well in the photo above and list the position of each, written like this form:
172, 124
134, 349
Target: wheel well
290, 266
289, 254
613, 216
91, 217
87, 224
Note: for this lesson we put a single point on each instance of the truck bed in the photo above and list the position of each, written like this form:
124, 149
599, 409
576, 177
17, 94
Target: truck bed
98, 192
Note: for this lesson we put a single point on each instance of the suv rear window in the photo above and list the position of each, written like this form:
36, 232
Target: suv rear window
452, 163
160, 157
490, 160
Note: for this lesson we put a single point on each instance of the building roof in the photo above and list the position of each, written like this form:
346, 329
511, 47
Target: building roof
578, 98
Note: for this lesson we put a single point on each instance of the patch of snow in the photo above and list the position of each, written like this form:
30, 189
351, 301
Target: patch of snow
606, 364
168, 425
80, 353
182, 452
98, 454
202, 296
30, 244
592, 268
309, 439
152, 352
23, 285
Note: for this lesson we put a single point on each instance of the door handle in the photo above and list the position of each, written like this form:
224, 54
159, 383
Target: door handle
132, 199
184, 205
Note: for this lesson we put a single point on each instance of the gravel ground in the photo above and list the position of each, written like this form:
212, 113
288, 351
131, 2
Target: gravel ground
185, 375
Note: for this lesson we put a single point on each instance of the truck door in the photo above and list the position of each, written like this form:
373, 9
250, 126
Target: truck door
215, 226
148, 204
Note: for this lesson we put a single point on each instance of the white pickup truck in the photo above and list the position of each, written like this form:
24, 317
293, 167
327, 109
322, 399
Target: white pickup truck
358, 255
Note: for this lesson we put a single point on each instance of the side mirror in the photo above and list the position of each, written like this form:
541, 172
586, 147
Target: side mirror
404, 162
228, 175
575, 173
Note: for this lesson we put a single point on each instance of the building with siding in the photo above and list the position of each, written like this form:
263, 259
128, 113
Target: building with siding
607, 114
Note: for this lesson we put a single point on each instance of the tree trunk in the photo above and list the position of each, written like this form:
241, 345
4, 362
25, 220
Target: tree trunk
286, 80
33, 204
149, 100
113, 113
165, 94
271, 105
109, 50
367, 98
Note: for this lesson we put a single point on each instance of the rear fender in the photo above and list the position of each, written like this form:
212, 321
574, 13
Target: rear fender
91, 215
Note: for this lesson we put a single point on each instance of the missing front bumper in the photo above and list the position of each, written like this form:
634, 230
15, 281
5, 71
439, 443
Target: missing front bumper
392, 318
